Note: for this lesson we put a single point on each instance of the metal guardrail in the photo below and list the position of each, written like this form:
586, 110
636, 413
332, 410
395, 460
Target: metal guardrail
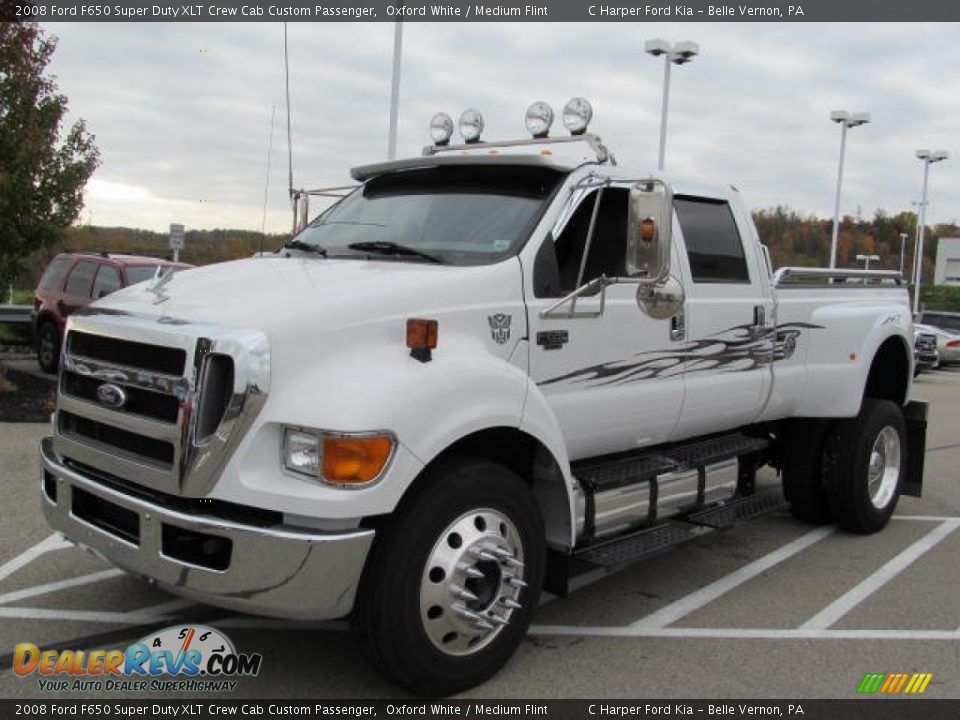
16, 314
832, 277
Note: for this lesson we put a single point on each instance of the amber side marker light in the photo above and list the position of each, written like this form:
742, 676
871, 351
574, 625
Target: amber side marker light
648, 229
422, 338
355, 460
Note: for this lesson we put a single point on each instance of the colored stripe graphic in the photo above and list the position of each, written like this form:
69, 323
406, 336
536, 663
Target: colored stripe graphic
894, 683
871, 682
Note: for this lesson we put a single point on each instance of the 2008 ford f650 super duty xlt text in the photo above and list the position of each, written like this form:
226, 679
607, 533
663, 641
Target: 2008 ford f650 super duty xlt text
477, 376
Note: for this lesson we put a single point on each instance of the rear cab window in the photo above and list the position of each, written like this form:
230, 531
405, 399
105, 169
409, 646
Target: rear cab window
714, 246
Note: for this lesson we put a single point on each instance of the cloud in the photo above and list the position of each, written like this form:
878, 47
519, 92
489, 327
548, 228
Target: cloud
182, 111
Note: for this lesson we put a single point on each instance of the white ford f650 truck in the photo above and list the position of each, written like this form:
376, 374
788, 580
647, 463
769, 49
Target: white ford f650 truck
478, 376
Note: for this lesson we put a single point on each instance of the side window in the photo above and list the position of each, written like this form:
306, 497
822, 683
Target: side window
80, 278
107, 280
557, 267
54, 274
713, 243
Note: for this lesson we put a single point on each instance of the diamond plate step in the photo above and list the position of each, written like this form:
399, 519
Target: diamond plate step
597, 476
724, 516
626, 550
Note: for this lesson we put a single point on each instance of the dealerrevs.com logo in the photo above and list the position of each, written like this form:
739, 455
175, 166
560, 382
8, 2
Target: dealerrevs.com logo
200, 657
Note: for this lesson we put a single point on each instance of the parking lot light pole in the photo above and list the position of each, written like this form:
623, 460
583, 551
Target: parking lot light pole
928, 159
903, 247
675, 54
845, 120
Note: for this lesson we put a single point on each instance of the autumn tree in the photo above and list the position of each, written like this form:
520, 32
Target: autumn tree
43, 166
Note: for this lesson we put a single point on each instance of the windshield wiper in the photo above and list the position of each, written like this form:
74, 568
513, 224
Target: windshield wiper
384, 247
307, 247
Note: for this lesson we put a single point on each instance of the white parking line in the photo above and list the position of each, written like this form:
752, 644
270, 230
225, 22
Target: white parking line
54, 542
707, 594
744, 633
58, 585
853, 597
135, 617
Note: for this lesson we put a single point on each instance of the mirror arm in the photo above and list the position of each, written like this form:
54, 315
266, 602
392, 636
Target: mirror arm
589, 243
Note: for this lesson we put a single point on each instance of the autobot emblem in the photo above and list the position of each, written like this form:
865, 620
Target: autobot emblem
111, 395
499, 327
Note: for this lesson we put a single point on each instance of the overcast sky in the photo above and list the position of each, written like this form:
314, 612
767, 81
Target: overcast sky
182, 112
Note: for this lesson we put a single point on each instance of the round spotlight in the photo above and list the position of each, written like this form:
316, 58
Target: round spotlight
539, 118
471, 125
577, 114
441, 128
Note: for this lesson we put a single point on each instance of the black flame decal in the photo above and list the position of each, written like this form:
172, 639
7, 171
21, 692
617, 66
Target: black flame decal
737, 349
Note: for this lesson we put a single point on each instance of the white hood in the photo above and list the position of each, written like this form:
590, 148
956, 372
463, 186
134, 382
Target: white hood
271, 293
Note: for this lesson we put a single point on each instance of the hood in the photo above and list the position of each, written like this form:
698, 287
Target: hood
270, 293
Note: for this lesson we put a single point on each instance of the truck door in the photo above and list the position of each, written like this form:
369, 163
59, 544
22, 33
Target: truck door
727, 319
614, 380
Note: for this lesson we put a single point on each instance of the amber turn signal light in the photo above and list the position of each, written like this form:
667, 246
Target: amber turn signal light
422, 334
355, 460
647, 229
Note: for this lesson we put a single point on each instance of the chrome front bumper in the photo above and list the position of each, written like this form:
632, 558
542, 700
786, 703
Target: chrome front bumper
284, 572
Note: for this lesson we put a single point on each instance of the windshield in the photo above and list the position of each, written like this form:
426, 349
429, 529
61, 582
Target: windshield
464, 215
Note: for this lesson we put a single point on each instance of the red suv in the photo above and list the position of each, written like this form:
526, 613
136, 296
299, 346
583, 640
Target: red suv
74, 280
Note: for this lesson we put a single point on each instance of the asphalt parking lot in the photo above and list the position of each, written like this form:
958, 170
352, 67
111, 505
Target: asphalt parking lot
770, 608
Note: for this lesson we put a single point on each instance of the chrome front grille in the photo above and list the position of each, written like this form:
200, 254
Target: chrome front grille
155, 402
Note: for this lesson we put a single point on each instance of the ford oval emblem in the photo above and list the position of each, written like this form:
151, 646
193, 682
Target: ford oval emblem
111, 395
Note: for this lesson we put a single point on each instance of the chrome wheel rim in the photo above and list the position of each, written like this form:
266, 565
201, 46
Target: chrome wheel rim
884, 468
471, 583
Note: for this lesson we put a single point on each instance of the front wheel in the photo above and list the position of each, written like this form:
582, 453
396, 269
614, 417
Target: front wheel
453, 579
868, 460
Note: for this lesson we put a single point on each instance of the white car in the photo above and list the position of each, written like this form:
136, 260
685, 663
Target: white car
948, 344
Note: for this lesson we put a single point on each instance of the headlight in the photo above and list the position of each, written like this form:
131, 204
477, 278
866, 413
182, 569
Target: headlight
342, 459
301, 452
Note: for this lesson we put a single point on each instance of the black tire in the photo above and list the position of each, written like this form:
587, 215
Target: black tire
802, 442
850, 446
388, 616
48, 347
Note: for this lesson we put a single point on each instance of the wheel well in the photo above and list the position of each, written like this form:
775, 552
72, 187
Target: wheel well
889, 372
530, 460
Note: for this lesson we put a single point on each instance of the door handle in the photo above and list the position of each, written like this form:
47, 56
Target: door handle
678, 327
759, 327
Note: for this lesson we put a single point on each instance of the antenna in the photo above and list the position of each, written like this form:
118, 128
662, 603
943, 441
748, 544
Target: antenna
286, 70
266, 184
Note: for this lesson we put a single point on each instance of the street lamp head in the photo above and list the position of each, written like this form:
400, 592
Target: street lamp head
923, 154
840, 116
657, 46
938, 155
859, 118
684, 52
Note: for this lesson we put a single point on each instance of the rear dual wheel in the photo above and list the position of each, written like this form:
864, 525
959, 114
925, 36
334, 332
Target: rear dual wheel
850, 471
867, 456
453, 579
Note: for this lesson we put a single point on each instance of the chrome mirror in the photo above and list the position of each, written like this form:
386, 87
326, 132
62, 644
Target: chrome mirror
662, 300
649, 231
